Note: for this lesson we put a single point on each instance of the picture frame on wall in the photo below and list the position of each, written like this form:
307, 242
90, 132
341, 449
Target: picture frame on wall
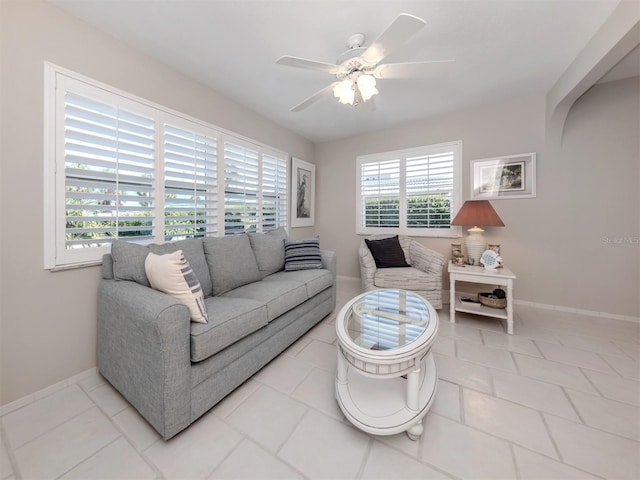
512, 176
303, 191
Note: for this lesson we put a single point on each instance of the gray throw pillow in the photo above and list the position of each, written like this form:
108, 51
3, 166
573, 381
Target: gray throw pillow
268, 249
129, 258
231, 262
302, 254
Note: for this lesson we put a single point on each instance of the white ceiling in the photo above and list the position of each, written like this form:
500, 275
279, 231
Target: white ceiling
503, 49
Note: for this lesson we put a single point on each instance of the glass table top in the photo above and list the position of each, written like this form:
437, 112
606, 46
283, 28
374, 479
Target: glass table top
386, 319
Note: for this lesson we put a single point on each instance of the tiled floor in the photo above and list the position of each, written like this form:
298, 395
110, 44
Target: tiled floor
560, 399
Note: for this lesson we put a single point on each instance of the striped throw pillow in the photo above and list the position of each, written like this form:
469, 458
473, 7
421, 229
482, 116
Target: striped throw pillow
302, 254
172, 274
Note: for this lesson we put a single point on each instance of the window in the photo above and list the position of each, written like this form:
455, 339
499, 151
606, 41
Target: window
119, 167
412, 192
255, 190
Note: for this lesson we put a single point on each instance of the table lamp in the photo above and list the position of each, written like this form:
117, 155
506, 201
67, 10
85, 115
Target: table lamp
477, 213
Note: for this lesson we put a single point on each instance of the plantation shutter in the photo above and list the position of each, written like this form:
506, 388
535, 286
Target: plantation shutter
109, 173
241, 184
274, 192
190, 183
429, 187
380, 193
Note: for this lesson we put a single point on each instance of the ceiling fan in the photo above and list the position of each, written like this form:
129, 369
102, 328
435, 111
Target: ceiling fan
357, 69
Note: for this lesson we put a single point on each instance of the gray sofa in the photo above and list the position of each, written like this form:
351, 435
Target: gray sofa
173, 370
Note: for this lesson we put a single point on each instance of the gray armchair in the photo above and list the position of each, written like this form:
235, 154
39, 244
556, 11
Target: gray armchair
424, 277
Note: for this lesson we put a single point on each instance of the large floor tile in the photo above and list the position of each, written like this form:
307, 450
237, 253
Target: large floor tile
57, 451
533, 466
321, 447
553, 372
195, 452
597, 452
268, 417
464, 451
41, 416
507, 420
459, 332
447, 401
489, 357
542, 396
323, 332
284, 373
320, 354
616, 388
574, 356
609, 415
6, 469
232, 401
444, 346
513, 343
119, 460
624, 366
463, 373
139, 432
384, 463
108, 399
249, 461
596, 345
631, 349
317, 390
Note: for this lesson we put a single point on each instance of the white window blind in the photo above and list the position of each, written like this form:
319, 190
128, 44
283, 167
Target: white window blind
190, 183
242, 180
117, 166
274, 192
255, 190
380, 193
413, 192
430, 180
109, 173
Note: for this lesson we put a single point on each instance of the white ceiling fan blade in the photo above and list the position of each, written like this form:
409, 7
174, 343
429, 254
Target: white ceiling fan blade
308, 64
413, 69
314, 98
403, 27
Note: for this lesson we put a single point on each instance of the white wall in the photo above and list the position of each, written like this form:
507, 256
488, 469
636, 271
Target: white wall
47, 320
563, 244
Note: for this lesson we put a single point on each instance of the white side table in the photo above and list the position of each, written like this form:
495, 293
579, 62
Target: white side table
386, 377
475, 274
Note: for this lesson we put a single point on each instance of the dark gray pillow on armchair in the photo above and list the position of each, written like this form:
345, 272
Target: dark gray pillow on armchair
387, 252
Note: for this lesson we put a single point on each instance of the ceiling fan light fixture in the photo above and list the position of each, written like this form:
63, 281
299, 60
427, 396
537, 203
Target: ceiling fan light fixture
344, 91
367, 86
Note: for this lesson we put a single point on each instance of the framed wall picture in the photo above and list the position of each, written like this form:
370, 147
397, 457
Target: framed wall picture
513, 176
303, 192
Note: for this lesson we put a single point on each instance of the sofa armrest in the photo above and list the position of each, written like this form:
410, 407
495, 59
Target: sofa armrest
330, 261
144, 351
367, 267
427, 260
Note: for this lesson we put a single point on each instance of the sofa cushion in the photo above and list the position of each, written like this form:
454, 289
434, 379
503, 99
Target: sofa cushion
387, 252
230, 319
406, 278
231, 262
268, 249
315, 281
302, 254
128, 260
279, 297
171, 273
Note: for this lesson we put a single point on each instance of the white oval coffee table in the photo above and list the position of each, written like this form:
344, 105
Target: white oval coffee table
386, 379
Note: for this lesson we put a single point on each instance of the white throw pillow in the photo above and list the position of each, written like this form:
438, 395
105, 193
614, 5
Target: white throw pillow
172, 274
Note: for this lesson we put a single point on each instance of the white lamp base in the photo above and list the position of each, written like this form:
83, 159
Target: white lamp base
475, 245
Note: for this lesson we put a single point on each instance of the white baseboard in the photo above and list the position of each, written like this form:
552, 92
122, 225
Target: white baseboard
558, 308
